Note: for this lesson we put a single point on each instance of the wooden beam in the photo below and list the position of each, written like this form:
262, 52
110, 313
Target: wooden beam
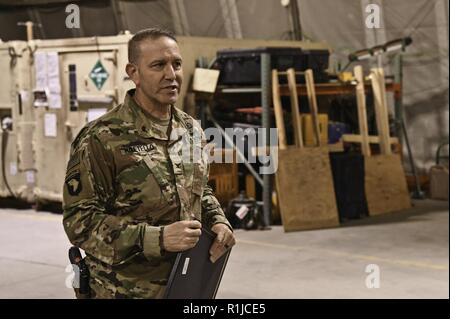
266, 151
383, 130
355, 138
362, 112
313, 104
295, 108
385, 113
337, 89
278, 110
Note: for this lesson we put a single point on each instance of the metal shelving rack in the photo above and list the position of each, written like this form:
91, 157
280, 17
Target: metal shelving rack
266, 97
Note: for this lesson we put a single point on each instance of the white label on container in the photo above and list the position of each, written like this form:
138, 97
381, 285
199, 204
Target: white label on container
242, 212
13, 168
55, 100
40, 64
205, 80
50, 125
30, 177
185, 266
24, 96
53, 72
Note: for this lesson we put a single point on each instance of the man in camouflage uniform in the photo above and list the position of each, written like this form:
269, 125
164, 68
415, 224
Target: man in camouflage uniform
131, 199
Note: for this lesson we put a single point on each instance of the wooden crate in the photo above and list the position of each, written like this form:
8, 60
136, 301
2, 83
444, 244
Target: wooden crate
223, 178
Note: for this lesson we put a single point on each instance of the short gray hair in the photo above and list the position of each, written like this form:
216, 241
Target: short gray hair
152, 34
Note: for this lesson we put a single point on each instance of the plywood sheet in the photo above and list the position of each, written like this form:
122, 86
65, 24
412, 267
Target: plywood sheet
386, 188
305, 189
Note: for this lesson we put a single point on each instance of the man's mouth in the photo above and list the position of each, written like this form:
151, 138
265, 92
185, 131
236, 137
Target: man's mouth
171, 88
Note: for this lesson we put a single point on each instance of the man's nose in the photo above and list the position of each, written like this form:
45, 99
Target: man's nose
169, 72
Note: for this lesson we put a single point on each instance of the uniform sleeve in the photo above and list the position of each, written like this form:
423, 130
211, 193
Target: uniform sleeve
212, 212
88, 219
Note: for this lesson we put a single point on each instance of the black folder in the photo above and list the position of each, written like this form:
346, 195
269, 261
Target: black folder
193, 275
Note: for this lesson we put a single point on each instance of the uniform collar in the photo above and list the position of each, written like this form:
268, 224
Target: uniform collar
148, 128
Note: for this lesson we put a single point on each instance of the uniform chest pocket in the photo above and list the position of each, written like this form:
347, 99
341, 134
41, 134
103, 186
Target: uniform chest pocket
159, 174
139, 189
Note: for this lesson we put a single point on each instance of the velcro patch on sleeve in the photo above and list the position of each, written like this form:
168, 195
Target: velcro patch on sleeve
73, 161
73, 183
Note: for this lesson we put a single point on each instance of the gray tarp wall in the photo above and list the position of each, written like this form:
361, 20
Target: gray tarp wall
341, 23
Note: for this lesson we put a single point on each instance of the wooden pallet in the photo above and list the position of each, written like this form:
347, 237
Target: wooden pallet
385, 181
304, 181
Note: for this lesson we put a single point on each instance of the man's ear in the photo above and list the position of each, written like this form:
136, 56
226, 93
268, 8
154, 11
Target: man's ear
133, 73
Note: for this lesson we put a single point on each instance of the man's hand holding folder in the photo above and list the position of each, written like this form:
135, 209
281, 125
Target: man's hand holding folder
224, 241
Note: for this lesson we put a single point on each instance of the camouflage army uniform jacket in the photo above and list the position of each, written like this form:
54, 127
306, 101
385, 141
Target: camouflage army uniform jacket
125, 179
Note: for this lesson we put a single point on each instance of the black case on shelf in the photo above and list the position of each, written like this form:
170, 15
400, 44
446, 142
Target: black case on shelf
243, 66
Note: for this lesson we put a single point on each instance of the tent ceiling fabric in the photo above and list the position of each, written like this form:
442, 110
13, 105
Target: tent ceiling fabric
7, 3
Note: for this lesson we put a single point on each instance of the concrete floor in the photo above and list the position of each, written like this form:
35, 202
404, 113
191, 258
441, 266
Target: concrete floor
411, 249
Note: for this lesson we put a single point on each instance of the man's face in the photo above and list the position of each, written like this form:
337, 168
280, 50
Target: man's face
158, 72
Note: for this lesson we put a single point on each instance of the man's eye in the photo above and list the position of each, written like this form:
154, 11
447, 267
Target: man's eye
158, 65
177, 65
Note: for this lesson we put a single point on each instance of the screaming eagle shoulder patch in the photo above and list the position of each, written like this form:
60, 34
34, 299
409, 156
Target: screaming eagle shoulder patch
73, 184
